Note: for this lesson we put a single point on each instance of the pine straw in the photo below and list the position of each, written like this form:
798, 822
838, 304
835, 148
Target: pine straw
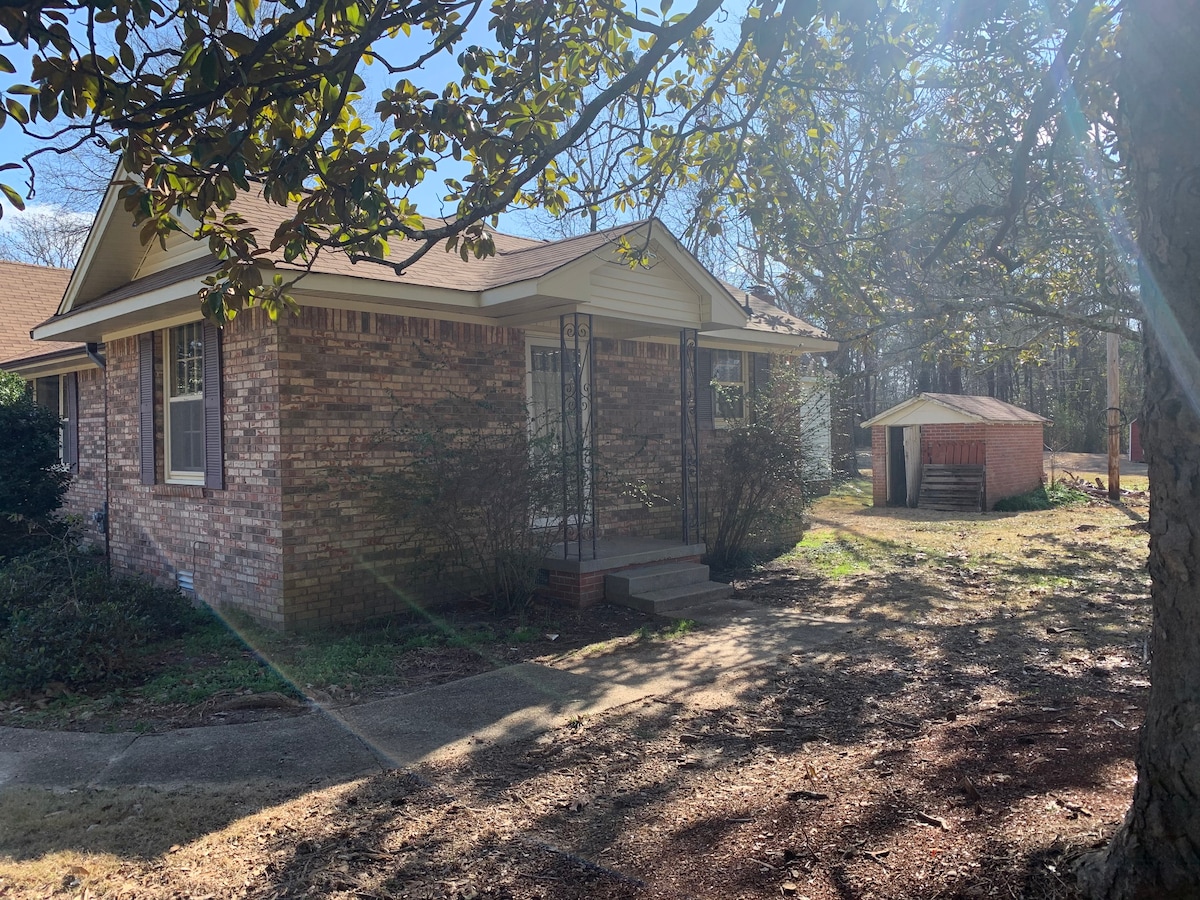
971, 737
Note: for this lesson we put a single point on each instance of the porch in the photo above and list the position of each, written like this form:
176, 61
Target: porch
576, 576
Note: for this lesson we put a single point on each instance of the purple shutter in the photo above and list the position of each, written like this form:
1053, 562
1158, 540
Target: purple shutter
214, 447
704, 389
71, 435
146, 406
761, 368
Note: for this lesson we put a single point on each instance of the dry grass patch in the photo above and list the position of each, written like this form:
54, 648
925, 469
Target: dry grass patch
971, 736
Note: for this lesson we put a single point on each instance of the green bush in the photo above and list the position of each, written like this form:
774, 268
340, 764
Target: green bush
64, 618
468, 498
32, 481
763, 479
1057, 493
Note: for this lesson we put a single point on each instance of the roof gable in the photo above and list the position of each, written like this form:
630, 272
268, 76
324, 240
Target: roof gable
934, 409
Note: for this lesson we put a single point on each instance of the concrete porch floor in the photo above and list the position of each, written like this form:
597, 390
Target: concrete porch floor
618, 553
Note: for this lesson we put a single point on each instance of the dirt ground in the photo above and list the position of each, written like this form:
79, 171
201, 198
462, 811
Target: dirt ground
968, 738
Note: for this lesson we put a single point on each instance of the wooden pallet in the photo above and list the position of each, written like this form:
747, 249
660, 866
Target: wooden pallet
951, 488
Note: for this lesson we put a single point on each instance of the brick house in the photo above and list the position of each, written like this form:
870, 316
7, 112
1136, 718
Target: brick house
229, 451
953, 436
63, 376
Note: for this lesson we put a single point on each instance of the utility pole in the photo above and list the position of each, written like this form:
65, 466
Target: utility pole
1114, 417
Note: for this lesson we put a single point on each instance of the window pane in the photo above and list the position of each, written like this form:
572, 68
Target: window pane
730, 402
48, 394
727, 366
545, 401
187, 435
187, 376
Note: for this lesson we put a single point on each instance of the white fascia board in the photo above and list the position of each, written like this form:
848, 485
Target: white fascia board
131, 315
318, 285
90, 247
507, 293
715, 300
52, 364
764, 341
922, 411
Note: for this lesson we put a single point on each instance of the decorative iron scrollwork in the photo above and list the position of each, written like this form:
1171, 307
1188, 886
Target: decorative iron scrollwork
578, 419
689, 436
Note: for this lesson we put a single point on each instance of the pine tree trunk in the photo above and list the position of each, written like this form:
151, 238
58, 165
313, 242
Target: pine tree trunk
1156, 852
842, 419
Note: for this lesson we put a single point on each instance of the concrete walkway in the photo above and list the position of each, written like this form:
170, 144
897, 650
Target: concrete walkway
505, 705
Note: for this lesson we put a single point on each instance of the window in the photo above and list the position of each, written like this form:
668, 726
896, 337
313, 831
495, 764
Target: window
186, 411
59, 393
729, 385
184, 427
545, 396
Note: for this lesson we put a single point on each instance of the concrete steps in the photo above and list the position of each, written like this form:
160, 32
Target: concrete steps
664, 588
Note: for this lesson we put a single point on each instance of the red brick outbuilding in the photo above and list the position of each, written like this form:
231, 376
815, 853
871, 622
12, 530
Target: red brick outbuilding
932, 433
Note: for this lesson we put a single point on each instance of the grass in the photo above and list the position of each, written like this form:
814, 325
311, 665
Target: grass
1057, 493
832, 554
237, 656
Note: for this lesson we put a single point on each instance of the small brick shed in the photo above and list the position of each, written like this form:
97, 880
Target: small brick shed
952, 429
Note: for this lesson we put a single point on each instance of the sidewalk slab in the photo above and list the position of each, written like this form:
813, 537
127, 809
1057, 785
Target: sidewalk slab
457, 718
296, 750
56, 758
494, 707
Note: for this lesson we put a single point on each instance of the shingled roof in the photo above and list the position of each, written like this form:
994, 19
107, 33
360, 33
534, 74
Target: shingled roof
28, 296
517, 261
516, 258
986, 410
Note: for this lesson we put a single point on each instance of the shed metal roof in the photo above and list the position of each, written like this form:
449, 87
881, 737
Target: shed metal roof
930, 408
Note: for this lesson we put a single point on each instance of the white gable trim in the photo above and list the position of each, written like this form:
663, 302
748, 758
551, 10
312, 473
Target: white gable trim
923, 411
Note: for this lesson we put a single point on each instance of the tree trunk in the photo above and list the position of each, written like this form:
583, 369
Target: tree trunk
843, 421
1156, 852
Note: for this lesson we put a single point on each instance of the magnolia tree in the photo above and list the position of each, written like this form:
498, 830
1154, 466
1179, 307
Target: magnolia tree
204, 100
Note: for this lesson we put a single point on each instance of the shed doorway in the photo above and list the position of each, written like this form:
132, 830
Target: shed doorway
904, 465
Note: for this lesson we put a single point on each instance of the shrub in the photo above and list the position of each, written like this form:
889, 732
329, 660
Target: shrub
32, 481
63, 618
761, 484
1042, 497
472, 499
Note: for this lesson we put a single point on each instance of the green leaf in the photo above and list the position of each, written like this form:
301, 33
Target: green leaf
247, 11
13, 196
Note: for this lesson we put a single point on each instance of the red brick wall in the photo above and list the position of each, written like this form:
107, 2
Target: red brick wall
230, 539
295, 539
1014, 460
636, 386
879, 465
345, 375
85, 497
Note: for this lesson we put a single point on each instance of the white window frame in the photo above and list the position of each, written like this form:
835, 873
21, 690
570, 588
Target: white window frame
743, 385
183, 476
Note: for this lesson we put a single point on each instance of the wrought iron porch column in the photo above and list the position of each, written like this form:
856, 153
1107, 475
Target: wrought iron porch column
578, 467
689, 435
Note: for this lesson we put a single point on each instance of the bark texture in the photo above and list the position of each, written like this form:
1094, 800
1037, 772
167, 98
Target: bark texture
1156, 852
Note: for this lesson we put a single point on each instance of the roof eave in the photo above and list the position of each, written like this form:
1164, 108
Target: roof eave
52, 363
